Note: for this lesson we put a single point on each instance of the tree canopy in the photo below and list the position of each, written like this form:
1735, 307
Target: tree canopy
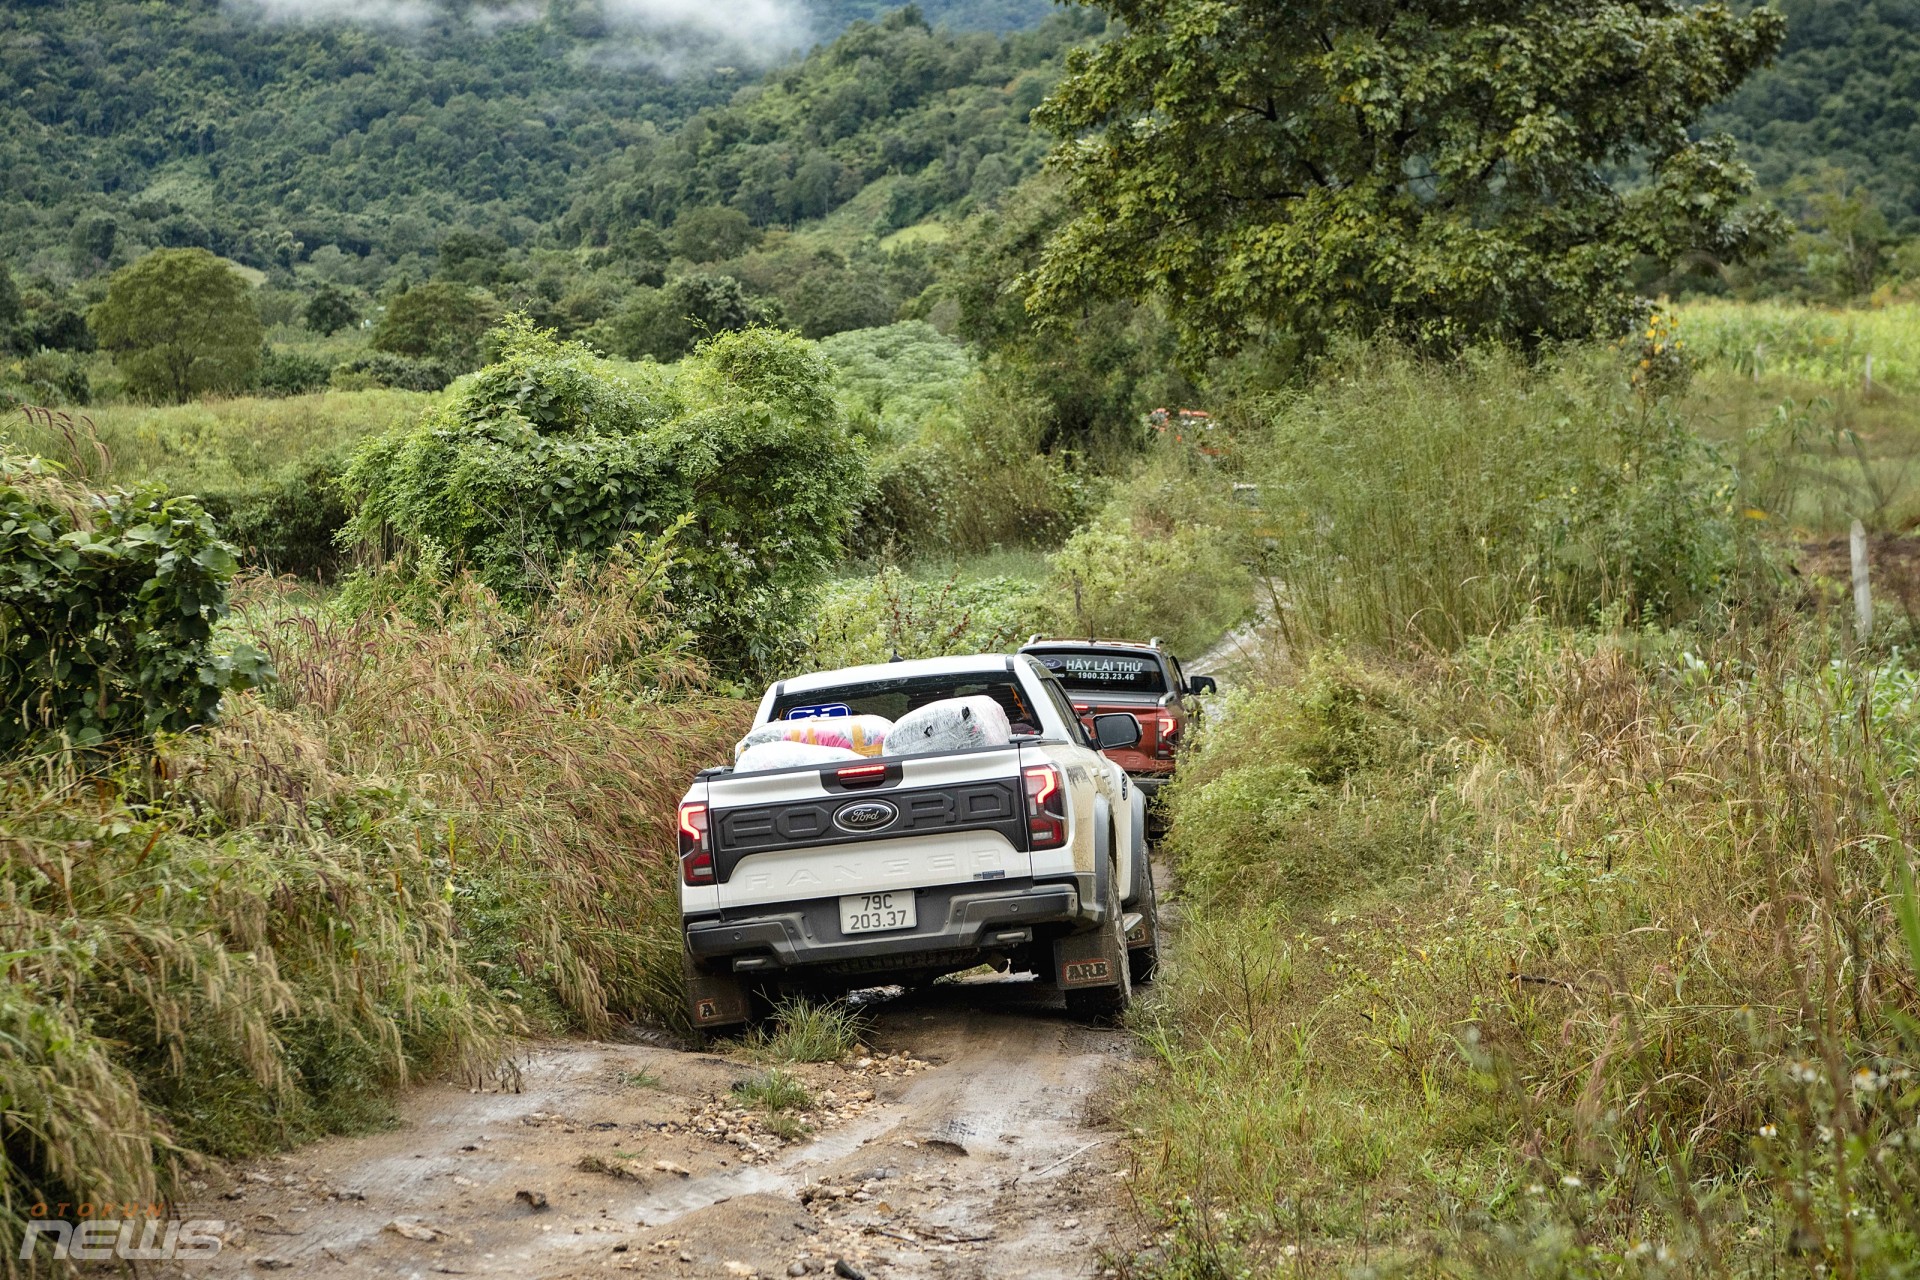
1438, 170
180, 323
741, 453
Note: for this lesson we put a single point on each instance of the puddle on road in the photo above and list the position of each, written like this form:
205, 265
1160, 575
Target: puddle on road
787, 1175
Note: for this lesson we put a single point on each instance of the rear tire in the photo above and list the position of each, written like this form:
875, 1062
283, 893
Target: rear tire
1105, 1006
1144, 962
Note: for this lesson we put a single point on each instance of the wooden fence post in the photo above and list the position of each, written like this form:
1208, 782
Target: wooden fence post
1862, 589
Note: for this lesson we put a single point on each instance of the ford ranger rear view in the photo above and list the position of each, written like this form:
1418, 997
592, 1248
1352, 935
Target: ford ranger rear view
894, 856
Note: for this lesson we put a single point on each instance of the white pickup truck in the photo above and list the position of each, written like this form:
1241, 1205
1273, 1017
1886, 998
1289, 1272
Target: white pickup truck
901, 867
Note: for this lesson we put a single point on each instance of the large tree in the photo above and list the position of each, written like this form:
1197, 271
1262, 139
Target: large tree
180, 323
1440, 170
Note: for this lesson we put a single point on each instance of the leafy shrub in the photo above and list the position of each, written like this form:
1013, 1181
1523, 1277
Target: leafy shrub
547, 454
873, 619
107, 613
290, 373
45, 377
438, 320
905, 376
1409, 503
385, 370
291, 522
1186, 585
961, 491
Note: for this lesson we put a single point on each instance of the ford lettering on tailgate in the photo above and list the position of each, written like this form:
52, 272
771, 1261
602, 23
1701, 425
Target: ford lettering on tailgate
988, 805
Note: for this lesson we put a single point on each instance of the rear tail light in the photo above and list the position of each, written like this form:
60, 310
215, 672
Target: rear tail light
861, 775
1046, 807
696, 847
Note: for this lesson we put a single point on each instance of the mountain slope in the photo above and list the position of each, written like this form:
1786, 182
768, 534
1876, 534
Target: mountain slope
1845, 92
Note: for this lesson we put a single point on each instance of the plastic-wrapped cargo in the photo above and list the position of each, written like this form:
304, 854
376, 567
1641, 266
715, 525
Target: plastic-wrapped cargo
762, 756
864, 735
951, 724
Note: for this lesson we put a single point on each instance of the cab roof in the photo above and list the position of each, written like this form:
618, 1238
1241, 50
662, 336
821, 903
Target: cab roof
1082, 642
966, 664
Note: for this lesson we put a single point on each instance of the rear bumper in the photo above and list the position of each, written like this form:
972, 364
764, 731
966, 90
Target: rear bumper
955, 921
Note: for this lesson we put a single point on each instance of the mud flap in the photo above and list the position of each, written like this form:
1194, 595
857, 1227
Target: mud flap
715, 999
1138, 934
1089, 959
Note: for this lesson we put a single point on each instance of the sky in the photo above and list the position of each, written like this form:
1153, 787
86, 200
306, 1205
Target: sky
667, 33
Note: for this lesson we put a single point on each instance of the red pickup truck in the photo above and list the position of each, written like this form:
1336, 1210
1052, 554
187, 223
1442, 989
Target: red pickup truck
1103, 677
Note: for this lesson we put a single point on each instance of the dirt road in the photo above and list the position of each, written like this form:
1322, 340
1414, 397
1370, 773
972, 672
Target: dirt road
961, 1146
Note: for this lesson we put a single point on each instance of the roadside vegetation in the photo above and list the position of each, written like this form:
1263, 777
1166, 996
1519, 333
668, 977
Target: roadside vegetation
369, 590
1550, 905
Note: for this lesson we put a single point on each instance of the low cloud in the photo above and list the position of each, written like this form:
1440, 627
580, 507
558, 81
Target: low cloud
666, 34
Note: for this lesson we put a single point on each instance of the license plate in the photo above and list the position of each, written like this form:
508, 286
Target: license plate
877, 912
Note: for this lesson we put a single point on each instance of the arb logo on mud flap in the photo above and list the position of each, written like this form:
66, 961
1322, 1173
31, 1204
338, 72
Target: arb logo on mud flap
706, 1011
1085, 973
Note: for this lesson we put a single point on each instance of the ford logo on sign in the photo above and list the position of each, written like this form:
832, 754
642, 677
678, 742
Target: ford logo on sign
867, 815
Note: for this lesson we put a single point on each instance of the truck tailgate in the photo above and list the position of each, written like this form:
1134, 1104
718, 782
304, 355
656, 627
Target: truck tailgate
792, 834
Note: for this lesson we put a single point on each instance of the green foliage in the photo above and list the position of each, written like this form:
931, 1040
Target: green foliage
329, 310
290, 373
107, 613
44, 378
385, 371
180, 323
666, 323
1840, 93
807, 1031
896, 101
184, 982
1186, 585
1437, 172
901, 377
888, 615
548, 454
1418, 899
971, 488
1408, 503
1088, 377
1826, 348
438, 320
12, 311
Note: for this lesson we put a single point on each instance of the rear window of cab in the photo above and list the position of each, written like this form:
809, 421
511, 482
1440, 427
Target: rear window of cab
1093, 669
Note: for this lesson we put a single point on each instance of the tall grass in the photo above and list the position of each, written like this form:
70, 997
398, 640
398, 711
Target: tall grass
179, 979
1815, 344
1412, 504
449, 822
214, 446
552, 746
1606, 964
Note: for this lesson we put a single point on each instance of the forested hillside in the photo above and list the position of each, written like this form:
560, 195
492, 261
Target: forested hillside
126, 126
1844, 93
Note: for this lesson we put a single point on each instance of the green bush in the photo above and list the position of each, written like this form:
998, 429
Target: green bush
290, 373
1413, 503
44, 378
384, 370
548, 454
972, 481
107, 612
291, 522
874, 619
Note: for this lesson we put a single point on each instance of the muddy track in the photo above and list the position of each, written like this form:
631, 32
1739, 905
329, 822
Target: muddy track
962, 1146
